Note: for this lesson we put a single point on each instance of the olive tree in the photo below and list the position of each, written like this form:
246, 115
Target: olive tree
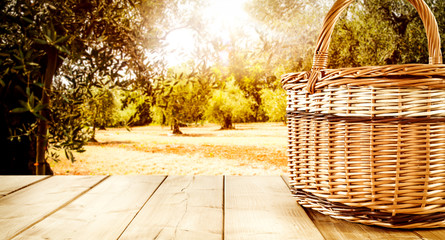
81, 43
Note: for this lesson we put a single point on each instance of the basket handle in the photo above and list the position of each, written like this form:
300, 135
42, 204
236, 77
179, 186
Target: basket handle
321, 52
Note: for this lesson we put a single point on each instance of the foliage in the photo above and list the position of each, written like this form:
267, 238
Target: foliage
371, 32
174, 100
274, 104
342, 55
68, 128
106, 109
251, 79
102, 106
228, 105
287, 31
181, 98
382, 32
134, 109
249, 73
92, 43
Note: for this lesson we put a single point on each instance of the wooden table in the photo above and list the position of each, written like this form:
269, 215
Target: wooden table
169, 207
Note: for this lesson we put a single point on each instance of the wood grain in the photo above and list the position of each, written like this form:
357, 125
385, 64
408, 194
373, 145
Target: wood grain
334, 229
184, 207
432, 234
176, 207
263, 208
22, 209
9, 184
102, 213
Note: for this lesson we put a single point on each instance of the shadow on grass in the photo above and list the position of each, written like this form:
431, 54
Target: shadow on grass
109, 143
191, 135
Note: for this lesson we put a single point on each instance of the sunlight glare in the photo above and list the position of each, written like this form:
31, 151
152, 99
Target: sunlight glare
223, 17
179, 45
227, 13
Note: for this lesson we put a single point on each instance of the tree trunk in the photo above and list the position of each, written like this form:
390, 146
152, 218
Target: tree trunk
42, 167
175, 127
227, 123
93, 137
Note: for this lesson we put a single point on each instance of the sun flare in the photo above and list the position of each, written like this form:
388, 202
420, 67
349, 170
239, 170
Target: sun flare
223, 17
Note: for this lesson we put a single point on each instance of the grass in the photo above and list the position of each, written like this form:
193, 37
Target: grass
250, 149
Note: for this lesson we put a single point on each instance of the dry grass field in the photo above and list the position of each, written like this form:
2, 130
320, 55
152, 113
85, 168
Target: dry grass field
250, 149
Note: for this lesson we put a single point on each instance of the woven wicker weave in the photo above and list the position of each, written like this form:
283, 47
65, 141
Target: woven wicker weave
367, 144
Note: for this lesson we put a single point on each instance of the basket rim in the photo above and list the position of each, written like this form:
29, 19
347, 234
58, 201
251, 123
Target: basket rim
388, 75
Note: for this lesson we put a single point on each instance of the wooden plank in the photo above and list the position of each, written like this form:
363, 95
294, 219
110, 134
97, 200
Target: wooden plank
432, 234
9, 184
335, 229
263, 208
22, 209
184, 207
102, 213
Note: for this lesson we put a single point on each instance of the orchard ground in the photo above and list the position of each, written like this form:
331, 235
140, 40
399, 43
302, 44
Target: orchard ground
249, 149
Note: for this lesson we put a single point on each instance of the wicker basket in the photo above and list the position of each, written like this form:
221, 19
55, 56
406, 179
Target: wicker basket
367, 144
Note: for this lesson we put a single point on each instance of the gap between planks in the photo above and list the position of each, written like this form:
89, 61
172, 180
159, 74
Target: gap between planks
102, 213
330, 228
151, 195
18, 183
60, 207
255, 186
183, 207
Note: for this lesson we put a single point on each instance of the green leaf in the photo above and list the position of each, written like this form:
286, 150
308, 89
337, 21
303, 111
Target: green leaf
65, 98
40, 41
66, 154
39, 107
24, 104
71, 156
52, 7
62, 49
21, 54
28, 54
27, 20
19, 67
33, 64
39, 84
19, 110
19, 89
62, 39
39, 116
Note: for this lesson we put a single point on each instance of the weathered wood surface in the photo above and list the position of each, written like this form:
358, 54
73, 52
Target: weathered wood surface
170, 207
103, 213
184, 207
262, 208
28, 206
10, 184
